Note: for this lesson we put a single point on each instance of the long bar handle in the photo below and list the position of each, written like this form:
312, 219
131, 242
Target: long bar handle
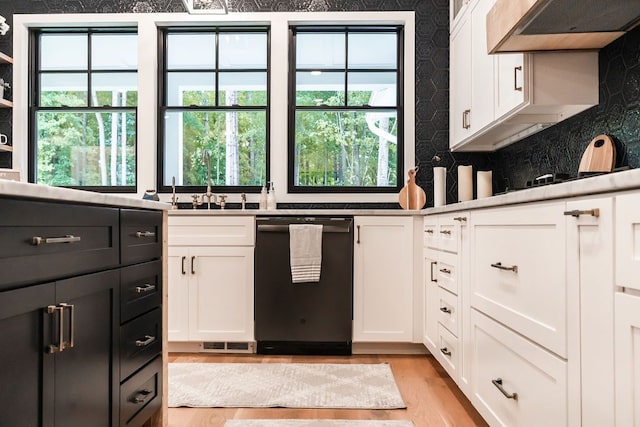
193, 260
145, 234
72, 325
273, 228
515, 78
148, 339
146, 288
183, 260
499, 266
498, 383
432, 264
358, 239
53, 348
576, 213
37, 240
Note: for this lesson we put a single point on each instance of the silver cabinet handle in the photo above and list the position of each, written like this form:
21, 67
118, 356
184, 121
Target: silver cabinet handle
465, 119
141, 396
499, 266
498, 383
183, 259
460, 218
146, 288
445, 351
515, 78
576, 213
72, 325
358, 238
432, 264
53, 348
447, 232
445, 310
193, 259
148, 339
145, 234
445, 271
429, 231
37, 240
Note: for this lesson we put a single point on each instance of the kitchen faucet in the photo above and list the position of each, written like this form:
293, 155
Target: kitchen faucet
206, 157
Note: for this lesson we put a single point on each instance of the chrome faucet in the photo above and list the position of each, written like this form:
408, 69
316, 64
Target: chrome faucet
206, 158
174, 198
243, 200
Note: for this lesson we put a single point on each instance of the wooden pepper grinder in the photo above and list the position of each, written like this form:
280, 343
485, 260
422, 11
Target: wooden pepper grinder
412, 196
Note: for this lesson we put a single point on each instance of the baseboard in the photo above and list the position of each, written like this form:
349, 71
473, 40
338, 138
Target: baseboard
387, 348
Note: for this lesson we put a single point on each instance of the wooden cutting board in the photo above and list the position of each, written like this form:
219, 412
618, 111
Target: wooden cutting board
600, 155
412, 196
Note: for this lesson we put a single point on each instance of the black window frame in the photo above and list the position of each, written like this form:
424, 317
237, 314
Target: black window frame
293, 108
34, 98
164, 108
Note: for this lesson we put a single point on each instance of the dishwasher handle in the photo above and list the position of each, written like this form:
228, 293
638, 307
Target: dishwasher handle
272, 228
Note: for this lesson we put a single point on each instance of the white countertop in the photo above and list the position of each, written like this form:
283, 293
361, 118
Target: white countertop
295, 212
45, 192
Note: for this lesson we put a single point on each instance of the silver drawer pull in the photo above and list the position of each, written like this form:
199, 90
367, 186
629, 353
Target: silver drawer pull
145, 234
445, 351
498, 384
448, 232
429, 230
445, 271
576, 213
146, 288
445, 310
53, 348
141, 396
148, 339
499, 266
72, 321
460, 218
37, 241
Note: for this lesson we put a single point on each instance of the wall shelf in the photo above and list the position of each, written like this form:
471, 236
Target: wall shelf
7, 148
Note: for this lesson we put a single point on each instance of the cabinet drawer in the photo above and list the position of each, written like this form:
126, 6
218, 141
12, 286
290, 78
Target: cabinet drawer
141, 395
44, 241
140, 235
518, 271
448, 354
140, 341
140, 289
430, 235
211, 231
501, 358
442, 232
448, 310
447, 272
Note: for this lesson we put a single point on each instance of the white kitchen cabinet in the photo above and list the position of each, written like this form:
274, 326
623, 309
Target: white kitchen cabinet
383, 279
499, 99
628, 240
590, 225
627, 361
210, 285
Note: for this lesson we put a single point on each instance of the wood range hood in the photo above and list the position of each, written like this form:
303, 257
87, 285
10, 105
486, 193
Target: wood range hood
539, 25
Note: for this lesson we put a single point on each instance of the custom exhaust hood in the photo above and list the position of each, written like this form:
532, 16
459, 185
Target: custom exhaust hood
537, 25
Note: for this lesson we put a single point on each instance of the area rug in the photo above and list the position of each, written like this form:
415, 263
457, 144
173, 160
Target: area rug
316, 423
287, 385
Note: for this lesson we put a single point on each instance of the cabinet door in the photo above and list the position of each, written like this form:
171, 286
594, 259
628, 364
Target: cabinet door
86, 372
482, 64
460, 84
221, 294
23, 325
627, 351
178, 303
383, 297
430, 307
509, 82
628, 241
590, 291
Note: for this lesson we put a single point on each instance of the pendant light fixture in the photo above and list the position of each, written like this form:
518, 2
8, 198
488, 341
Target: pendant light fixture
218, 7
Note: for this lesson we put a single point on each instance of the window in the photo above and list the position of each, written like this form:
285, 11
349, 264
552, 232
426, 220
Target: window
84, 96
345, 109
214, 109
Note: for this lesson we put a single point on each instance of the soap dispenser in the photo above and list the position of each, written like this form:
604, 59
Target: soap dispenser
263, 198
271, 198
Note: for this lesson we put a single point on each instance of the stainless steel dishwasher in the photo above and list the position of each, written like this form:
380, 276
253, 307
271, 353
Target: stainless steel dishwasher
303, 318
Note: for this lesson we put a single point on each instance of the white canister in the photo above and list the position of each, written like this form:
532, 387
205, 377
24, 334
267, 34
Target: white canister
439, 186
465, 183
485, 184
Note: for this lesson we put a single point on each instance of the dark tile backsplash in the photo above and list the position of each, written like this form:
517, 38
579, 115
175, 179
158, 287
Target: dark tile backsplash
557, 149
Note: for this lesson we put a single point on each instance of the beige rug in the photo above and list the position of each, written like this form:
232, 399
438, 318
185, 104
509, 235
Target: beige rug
288, 385
316, 423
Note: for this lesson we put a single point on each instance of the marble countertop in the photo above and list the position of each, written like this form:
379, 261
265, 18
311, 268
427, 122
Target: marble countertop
45, 192
295, 212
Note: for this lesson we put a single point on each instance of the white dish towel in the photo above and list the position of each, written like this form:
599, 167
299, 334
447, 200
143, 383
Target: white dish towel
305, 249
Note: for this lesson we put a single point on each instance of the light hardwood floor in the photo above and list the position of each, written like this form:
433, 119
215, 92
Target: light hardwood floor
432, 398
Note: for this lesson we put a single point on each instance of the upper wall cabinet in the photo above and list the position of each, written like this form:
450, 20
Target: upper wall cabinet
497, 100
